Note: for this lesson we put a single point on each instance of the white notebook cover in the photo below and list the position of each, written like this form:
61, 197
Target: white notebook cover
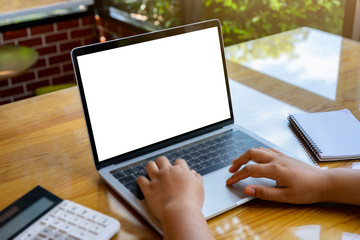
331, 135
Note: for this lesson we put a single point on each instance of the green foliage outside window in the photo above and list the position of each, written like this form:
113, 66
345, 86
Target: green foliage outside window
162, 13
243, 20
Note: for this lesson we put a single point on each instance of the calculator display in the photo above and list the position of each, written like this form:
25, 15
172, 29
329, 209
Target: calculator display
25, 217
25, 211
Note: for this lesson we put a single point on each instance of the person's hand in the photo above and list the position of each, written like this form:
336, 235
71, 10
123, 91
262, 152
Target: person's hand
297, 182
171, 186
175, 195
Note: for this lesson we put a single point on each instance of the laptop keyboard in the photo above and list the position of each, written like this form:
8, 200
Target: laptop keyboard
203, 156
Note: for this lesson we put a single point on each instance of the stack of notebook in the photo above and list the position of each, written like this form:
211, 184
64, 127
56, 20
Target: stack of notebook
329, 136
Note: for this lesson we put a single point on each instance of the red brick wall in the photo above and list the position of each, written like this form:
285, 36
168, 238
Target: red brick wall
54, 43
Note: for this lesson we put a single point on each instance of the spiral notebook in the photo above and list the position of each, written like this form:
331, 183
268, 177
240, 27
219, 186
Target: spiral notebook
330, 136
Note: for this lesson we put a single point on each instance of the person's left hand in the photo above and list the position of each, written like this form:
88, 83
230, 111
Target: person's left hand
297, 182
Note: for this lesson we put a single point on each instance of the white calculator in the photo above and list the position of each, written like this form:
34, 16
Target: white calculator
40, 215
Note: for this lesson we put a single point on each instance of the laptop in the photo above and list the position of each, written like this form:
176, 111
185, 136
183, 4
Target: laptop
163, 93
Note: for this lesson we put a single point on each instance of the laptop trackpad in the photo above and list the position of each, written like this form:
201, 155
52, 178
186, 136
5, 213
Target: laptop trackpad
220, 198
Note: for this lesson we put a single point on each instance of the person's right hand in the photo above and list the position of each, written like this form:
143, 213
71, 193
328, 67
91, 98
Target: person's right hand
175, 195
171, 186
297, 182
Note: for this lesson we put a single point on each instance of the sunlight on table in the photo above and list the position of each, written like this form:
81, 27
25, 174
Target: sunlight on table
305, 57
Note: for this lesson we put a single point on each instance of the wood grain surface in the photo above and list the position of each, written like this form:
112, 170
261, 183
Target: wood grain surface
43, 141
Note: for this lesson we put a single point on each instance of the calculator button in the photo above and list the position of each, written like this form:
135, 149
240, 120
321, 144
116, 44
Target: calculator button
66, 228
55, 223
72, 208
81, 212
81, 234
57, 236
36, 238
86, 225
94, 217
96, 229
55, 212
104, 221
69, 238
69, 206
46, 232
64, 205
46, 220
64, 216
75, 220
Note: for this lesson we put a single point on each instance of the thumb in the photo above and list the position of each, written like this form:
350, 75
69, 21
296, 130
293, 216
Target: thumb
265, 193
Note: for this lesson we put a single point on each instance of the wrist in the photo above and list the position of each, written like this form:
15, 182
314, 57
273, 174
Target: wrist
332, 185
181, 205
326, 183
342, 186
183, 219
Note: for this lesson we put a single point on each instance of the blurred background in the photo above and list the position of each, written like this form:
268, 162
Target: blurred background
54, 27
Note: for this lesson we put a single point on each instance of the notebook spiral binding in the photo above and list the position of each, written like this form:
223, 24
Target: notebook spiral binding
305, 141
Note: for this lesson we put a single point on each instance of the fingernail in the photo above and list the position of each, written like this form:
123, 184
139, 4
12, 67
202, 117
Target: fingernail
250, 191
229, 181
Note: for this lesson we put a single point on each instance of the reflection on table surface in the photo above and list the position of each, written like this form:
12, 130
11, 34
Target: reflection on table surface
305, 57
308, 68
43, 141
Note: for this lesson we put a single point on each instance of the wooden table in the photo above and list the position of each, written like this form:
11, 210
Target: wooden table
43, 141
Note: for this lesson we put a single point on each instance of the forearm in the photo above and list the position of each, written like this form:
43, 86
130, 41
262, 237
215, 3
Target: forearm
342, 186
181, 222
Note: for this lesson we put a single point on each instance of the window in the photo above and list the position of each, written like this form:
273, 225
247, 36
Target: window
28, 10
242, 20
144, 14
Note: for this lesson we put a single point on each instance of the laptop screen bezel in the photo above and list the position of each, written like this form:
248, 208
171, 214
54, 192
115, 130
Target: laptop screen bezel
84, 50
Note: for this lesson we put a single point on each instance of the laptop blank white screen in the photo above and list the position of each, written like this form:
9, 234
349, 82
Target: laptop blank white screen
144, 93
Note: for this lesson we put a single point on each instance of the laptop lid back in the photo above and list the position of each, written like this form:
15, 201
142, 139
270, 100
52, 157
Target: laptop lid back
146, 92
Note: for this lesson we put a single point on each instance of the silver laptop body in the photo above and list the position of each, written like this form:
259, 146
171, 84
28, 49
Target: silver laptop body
163, 93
